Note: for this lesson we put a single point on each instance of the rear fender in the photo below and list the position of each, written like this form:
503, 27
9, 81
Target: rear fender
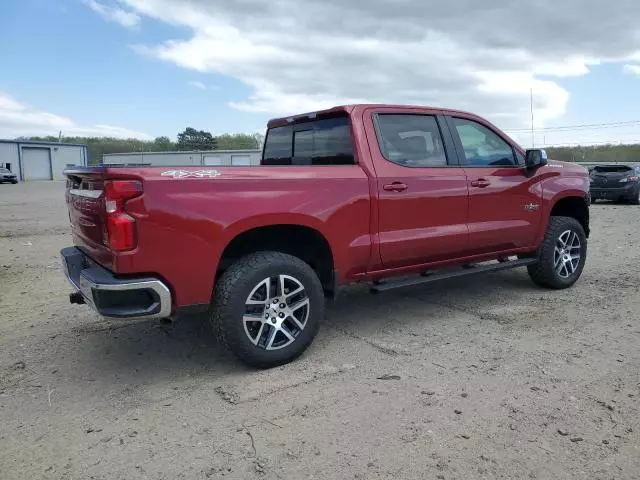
269, 220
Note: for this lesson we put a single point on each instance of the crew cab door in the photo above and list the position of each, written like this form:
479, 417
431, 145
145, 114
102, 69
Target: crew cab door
505, 200
421, 188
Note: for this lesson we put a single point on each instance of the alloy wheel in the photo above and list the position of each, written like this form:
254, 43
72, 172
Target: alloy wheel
567, 254
276, 312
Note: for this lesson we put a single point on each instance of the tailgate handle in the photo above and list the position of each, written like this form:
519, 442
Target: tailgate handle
395, 187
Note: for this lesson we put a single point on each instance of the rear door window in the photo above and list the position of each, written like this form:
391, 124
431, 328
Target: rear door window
411, 140
319, 142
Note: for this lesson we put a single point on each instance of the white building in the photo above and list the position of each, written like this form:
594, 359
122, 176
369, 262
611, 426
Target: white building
40, 160
171, 159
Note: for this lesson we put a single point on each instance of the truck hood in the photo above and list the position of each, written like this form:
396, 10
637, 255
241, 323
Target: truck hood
567, 167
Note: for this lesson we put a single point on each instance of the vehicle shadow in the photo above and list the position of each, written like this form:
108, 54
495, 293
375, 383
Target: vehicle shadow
622, 203
482, 291
147, 352
153, 349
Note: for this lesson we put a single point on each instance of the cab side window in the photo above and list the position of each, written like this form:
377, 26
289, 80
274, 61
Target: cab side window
411, 140
482, 147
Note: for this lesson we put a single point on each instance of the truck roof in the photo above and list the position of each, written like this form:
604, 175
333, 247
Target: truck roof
278, 122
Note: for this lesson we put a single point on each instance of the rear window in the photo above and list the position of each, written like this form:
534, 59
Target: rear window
612, 168
321, 142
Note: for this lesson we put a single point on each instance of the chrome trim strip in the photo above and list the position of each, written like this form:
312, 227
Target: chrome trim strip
65, 267
85, 193
86, 288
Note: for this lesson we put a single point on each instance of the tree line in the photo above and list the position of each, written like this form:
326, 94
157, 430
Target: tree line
188, 140
596, 153
192, 139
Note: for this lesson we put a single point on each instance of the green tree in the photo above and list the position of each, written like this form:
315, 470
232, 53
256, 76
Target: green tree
259, 139
163, 144
192, 139
236, 141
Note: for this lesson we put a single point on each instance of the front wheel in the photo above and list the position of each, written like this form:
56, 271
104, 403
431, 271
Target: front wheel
561, 256
267, 308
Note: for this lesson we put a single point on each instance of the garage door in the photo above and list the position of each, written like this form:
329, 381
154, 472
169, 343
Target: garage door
240, 160
36, 163
213, 160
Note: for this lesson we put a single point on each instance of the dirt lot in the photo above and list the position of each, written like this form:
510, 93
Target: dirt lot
489, 377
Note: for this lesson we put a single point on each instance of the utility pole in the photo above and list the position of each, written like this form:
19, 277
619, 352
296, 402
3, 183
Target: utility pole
533, 138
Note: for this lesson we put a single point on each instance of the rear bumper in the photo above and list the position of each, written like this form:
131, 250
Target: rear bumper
111, 297
628, 191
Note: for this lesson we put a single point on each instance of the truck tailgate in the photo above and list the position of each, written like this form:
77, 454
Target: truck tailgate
87, 213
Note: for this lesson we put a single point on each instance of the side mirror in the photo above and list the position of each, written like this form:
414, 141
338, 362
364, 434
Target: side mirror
535, 157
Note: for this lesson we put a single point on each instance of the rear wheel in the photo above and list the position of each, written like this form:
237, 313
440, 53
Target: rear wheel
562, 254
636, 199
267, 308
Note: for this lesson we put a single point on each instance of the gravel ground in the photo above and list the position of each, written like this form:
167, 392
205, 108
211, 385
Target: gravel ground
486, 377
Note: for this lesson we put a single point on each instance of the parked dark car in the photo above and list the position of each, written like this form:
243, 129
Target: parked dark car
7, 177
615, 182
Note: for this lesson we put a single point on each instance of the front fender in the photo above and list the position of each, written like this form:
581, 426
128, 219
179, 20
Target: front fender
558, 188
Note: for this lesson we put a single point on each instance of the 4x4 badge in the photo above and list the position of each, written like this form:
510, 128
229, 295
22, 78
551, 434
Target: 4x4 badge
531, 207
191, 174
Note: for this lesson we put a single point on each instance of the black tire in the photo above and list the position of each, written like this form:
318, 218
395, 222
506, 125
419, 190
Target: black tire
543, 272
635, 200
232, 291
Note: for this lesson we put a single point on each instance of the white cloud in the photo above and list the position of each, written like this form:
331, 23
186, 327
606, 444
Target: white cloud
632, 69
114, 14
300, 56
198, 85
18, 119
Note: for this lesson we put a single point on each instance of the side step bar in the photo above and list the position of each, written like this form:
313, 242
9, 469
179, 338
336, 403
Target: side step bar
410, 282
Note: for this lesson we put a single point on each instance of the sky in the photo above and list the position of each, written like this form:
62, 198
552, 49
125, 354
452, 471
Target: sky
148, 68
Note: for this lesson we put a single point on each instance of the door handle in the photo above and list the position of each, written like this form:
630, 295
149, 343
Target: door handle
480, 183
395, 187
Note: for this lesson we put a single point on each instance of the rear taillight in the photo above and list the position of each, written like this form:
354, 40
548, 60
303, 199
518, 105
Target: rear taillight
629, 179
121, 227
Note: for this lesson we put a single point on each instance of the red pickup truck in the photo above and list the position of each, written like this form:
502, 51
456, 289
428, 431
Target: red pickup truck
390, 195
